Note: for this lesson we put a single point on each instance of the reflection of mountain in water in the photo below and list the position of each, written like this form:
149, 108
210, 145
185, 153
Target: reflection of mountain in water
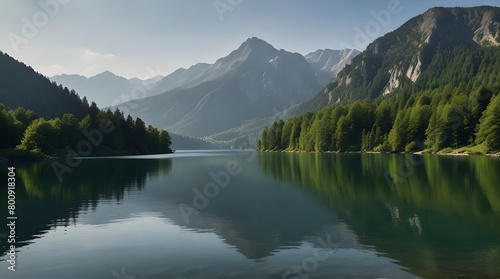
42, 202
440, 219
252, 214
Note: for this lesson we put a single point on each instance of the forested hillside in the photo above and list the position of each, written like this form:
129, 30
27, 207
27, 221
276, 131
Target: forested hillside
453, 104
21, 86
403, 57
42, 118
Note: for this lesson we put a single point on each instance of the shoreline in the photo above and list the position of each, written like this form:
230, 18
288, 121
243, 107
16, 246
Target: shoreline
47, 158
497, 154
460, 154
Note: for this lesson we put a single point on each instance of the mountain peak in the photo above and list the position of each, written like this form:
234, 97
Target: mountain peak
255, 43
106, 74
478, 25
255, 51
402, 56
327, 63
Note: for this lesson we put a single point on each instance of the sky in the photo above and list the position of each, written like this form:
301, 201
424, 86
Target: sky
145, 38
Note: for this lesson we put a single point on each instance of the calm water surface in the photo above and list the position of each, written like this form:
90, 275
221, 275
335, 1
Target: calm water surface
240, 214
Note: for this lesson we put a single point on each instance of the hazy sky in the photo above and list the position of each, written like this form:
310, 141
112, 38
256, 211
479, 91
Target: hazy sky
135, 38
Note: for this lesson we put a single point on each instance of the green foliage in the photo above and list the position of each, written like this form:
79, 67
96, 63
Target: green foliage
65, 118
32, 136
454, 104
489, 127
398, 135
11, 128
40, 135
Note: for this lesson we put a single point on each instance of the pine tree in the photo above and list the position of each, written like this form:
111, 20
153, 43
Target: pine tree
489, 127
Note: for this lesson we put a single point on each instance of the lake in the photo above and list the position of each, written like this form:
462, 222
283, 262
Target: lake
241, 214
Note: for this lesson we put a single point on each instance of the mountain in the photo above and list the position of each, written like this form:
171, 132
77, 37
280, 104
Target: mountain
327, 63
153, 80
105, 89
21, 86
108, 89
179, 78
39, 118
400, 57
253, 80
431, 85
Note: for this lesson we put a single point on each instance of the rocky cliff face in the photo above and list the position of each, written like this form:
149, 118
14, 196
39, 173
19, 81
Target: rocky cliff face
446, 27
403, 55
327, 63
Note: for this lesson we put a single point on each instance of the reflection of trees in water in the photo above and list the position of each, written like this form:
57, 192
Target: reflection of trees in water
447, 207
43, 202
443, 183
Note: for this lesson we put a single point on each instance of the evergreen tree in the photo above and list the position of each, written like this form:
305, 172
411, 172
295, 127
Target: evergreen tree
489, 127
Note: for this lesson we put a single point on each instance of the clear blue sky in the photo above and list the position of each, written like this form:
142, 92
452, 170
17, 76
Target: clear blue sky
128, 37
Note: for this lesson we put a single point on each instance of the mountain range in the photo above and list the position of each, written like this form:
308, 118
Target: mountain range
253, 80
400, 57
431, 85
414, 57
233, 99
106, 88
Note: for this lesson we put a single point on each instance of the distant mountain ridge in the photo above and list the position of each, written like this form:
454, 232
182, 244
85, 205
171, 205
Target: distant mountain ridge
327, 63
275, 78
106, 88
179, 78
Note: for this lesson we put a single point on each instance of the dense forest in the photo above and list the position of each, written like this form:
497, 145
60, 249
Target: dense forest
98, 133
454, 105
39, 117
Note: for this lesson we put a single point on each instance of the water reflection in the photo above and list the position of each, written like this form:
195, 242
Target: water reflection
441, 218
122, 212
43, 202
116, 212
251, 214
